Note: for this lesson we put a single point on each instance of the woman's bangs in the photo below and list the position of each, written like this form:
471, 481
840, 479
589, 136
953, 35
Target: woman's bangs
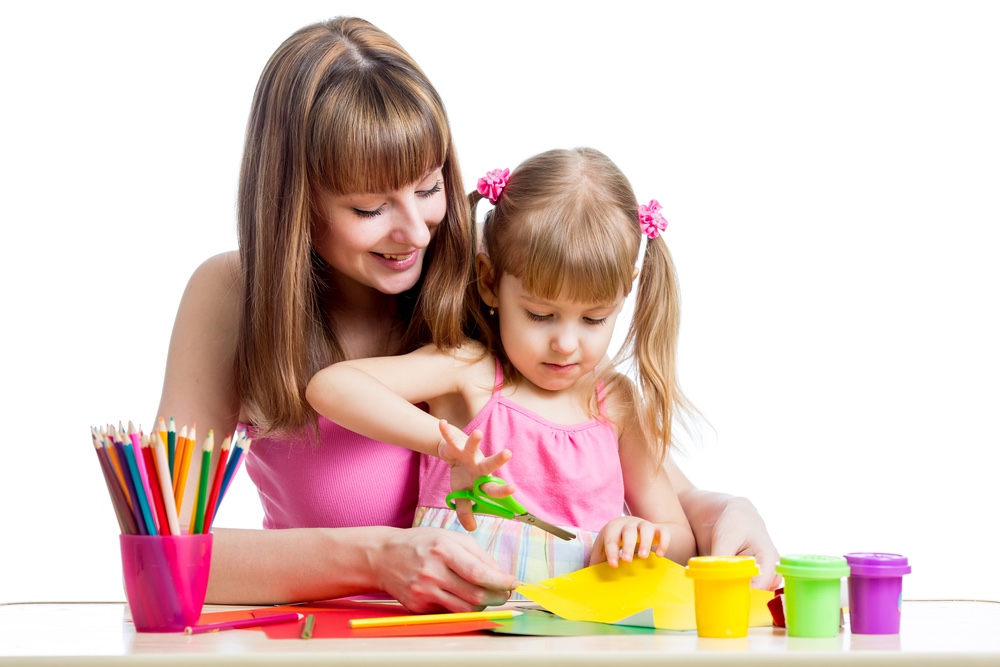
381, 146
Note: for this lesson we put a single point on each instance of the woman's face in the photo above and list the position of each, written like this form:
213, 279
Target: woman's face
378, 240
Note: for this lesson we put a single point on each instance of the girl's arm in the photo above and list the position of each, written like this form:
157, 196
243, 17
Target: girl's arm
657, 520
726, 525
375, 397
425, 569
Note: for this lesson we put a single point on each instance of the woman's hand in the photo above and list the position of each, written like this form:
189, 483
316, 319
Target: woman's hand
628, 535
468, 464
432, 570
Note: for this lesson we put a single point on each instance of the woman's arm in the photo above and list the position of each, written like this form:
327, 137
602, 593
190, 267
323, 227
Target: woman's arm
426, 569
726, 525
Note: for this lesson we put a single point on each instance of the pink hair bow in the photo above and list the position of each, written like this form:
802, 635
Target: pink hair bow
492, 184
651, 220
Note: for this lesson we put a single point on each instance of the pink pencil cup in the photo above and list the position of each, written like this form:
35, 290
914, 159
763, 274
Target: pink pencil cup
166, 577
875, 591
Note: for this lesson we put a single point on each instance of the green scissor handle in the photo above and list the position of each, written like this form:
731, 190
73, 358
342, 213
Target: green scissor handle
483, 503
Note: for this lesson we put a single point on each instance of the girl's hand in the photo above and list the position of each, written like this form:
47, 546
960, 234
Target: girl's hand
468, 464
629, 535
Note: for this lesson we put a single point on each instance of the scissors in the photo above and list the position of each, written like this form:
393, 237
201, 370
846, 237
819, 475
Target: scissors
506, 508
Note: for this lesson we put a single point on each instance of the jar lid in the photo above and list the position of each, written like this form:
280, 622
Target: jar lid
875, 564
722, 567
810, 566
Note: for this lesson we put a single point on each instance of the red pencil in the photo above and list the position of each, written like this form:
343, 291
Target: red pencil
243, 623
220, 469
154, 485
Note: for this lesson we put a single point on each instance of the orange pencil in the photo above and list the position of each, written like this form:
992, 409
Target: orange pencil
178, 456
185, 468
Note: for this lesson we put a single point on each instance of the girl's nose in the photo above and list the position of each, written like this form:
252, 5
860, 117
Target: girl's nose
409, 226
565, 339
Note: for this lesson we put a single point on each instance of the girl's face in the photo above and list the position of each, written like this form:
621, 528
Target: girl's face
553, 343
378, 240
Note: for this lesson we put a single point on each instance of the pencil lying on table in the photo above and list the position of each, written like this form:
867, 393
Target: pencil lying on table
432, 618
243, 623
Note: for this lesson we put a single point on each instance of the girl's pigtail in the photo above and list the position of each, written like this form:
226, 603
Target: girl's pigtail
651, 343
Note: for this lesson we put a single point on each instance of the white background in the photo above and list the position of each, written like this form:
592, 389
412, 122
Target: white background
830, 172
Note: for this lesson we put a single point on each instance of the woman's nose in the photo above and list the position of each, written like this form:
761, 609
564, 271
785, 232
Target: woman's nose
409, 226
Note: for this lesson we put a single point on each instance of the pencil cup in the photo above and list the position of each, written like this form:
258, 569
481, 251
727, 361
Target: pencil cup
722, 594
166, 577
875, 591
812, 594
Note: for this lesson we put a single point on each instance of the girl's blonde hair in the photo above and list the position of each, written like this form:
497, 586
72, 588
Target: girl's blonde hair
567, 226
340, 108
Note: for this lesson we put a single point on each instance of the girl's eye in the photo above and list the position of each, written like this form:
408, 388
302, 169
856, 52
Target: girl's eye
595, 320
430, 193
535, 317
368, 214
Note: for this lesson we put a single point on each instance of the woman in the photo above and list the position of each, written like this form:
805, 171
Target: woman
355, 241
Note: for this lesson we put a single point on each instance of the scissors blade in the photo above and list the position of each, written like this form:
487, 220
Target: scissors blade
544, 525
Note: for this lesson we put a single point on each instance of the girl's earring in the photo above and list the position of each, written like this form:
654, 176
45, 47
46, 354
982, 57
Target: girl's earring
492, 312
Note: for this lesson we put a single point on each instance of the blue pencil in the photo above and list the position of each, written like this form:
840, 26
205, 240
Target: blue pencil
140, 491
127, 474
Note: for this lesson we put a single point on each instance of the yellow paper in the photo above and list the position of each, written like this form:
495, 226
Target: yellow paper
651, 592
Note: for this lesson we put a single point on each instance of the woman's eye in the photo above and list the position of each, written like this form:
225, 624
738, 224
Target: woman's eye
430, 193
368, 214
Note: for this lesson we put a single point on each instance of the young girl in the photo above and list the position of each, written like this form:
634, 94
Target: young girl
559, 259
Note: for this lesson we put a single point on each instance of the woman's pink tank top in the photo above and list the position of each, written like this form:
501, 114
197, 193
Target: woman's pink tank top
347, 480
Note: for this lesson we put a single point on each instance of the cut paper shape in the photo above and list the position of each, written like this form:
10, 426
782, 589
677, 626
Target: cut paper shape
647, 592
538, 623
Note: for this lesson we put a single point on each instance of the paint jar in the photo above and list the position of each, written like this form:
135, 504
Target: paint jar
722, 594
166, 577
875, 592
812, 594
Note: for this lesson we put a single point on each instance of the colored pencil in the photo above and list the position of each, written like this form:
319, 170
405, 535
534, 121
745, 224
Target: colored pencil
206, 464
171, 442
243, 623
149, 527
144, 475
307, 629
130, 490
149, 456
165, 495
178, 455
109, 448
432, 618
220, 470
126, 521
236, 457
189, 445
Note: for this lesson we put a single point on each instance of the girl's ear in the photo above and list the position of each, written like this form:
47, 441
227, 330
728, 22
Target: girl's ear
486, 281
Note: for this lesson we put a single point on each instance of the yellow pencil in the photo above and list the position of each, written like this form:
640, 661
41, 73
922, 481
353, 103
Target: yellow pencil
432, 618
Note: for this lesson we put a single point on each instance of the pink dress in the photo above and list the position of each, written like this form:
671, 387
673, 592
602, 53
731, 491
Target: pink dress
568, 475
347, 480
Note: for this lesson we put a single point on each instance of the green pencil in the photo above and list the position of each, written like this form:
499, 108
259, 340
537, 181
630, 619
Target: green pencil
206, 463
307, 630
